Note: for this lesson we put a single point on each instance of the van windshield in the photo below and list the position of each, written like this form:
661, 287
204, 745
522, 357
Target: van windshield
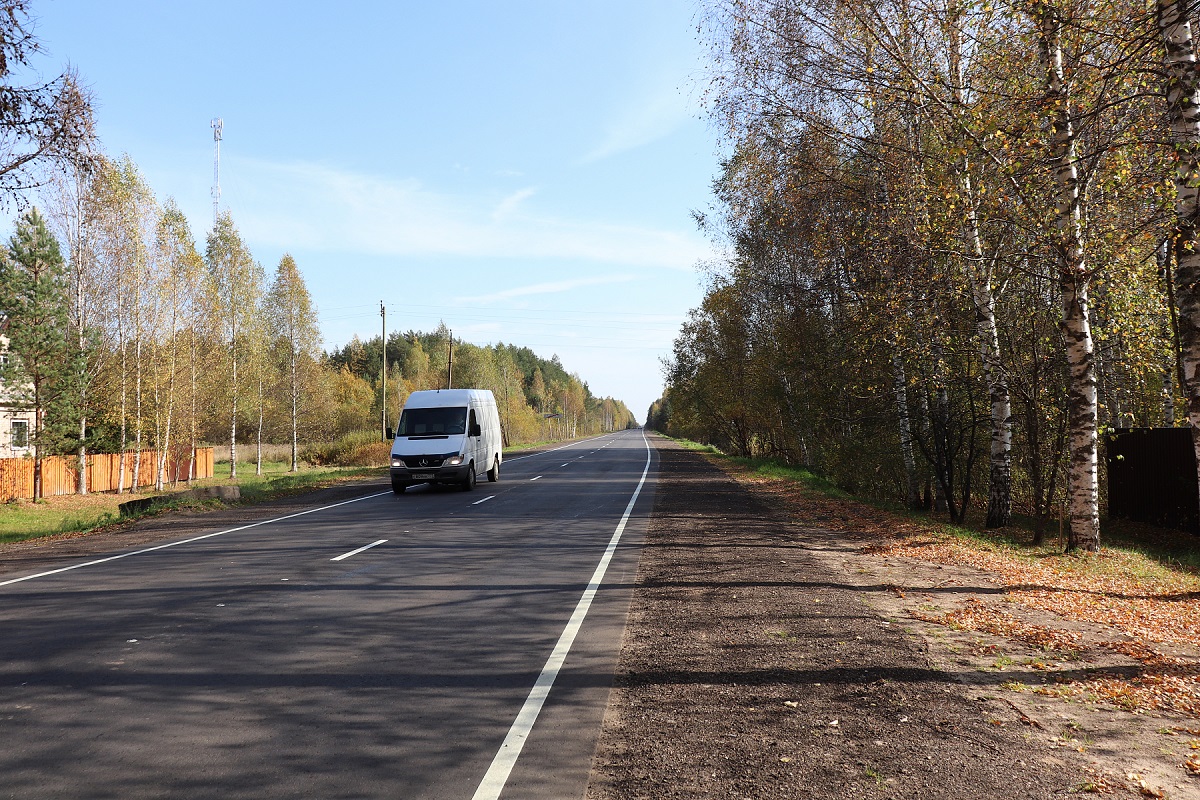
432, 422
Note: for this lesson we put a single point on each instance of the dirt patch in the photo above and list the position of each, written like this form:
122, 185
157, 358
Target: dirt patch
769, 657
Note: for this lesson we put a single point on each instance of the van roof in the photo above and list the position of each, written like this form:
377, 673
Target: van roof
439, 398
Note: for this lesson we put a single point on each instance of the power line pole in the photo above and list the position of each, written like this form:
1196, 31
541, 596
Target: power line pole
217, 126
450, 362
383, 315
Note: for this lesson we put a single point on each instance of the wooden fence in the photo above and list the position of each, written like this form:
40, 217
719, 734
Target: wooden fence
60, 474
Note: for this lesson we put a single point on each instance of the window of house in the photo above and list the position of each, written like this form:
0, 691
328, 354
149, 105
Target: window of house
20, 433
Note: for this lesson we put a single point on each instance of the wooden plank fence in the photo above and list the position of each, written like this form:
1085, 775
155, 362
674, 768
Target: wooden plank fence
60, 474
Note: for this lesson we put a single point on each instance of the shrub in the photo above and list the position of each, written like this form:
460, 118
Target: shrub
358, 449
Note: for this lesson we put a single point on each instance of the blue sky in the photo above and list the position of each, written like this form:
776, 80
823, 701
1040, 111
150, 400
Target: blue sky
524, 172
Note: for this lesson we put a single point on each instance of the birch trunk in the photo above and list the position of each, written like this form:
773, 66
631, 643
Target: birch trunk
137, 405
165, 451
258, 439
1082, 488
124, 391
81, 333
983, 298
938, 418
1183, 116
980, 281
158, 422
233, 410
295, 412
945, 463
192, 399
900, 388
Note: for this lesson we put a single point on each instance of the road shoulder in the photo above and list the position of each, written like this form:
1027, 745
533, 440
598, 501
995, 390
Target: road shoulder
753, 665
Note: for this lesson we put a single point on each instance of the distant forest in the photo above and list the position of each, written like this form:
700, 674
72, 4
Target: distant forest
538, 398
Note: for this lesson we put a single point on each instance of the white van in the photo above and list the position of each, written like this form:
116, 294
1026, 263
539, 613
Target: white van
447, 436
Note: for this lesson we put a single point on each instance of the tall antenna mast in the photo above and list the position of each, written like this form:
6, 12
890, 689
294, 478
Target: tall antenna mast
383, 314
217, 126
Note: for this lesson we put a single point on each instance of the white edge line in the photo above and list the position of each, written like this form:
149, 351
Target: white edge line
555, 450
186, 541
484, 500
359, 550
506, 757
534, 479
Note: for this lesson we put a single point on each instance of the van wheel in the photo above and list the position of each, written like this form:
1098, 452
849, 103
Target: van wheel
494, 473
398, 488
471, 479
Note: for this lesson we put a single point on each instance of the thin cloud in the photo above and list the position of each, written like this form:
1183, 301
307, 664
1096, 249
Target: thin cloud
552, 287
509, 204
318, 207
653, 114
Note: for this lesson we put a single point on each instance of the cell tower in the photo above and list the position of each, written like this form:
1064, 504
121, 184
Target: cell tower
217, 126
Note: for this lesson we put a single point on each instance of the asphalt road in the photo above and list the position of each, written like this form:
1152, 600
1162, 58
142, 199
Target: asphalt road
254, 663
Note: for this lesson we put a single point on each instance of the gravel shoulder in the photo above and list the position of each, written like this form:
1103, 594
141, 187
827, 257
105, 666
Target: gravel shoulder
767, 657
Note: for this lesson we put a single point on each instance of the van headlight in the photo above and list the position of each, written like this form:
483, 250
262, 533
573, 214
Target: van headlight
397, 462
454, 461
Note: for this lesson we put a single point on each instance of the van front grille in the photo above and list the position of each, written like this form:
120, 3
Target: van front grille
423, 462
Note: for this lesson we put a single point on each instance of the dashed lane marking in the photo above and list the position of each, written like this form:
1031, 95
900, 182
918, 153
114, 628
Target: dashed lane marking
344, 556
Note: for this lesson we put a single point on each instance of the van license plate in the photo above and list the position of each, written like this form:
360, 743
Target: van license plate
423, 476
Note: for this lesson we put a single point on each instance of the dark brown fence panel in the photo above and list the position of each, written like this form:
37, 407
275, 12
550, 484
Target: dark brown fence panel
1152, 477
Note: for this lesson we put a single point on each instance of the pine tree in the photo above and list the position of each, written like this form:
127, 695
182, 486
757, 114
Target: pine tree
41, 364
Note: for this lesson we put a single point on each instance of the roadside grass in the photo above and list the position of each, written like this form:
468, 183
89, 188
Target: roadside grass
700, 448
523, 446
276, 481
72, 514
24, 519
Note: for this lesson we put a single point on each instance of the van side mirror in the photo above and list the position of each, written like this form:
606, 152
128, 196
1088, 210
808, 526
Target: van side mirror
387, 434
475, 430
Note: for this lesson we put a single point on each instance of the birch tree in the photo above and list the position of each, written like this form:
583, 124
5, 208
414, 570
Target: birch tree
125, 215
72, 213
182, 282
235, 283
1183, 119
43, 125
292, 320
